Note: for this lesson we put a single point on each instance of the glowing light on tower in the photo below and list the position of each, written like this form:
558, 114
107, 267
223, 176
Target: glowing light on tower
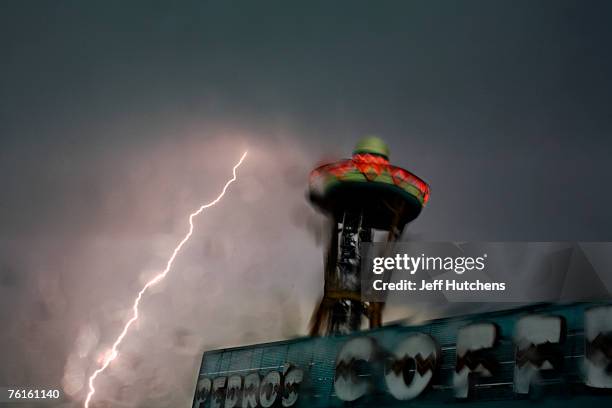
113, 352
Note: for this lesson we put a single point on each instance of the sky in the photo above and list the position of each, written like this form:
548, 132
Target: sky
118, 119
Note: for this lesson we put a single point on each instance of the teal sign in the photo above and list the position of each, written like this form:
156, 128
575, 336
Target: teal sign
557, 355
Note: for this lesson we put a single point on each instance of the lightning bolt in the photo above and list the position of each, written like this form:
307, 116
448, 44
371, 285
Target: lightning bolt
113, 353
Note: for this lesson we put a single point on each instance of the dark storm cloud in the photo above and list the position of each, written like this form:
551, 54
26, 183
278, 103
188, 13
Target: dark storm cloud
504, 107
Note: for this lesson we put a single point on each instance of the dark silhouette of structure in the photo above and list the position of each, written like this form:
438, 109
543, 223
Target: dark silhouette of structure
360, 195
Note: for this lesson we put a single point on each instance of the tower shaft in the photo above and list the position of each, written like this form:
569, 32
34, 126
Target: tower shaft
341, 310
